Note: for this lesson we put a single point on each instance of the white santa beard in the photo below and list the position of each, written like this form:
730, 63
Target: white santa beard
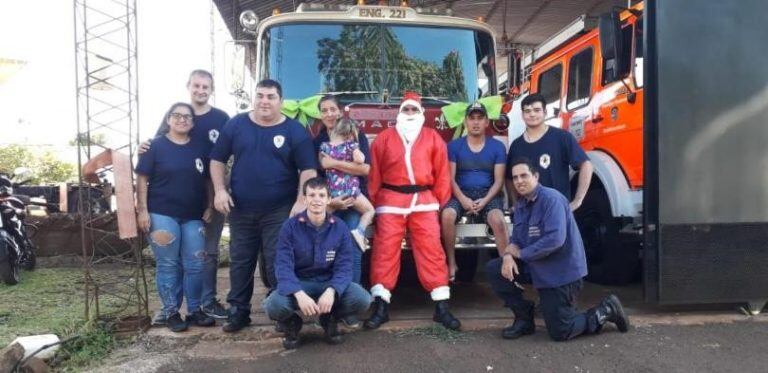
409, 126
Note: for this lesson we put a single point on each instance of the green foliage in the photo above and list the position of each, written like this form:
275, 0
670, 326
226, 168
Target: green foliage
99, 139
435, 332
371, 58
45, 167
93, 344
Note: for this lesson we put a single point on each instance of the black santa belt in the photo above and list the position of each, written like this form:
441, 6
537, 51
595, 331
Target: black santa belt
407, 189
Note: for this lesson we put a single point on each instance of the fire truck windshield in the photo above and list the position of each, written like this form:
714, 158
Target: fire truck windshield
376, 62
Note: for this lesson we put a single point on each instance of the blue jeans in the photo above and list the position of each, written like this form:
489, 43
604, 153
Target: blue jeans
558, 305
252, 232
354, 301
352, 219
212, 238
179, 257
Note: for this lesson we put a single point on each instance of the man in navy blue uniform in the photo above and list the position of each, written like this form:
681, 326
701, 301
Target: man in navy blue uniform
477, 176
313, 265
546, 240
554, 152
273, 155
208, 123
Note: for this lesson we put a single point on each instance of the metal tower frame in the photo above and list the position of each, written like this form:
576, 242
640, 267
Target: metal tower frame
108, 132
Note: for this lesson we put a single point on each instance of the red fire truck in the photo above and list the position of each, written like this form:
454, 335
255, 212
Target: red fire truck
367, 56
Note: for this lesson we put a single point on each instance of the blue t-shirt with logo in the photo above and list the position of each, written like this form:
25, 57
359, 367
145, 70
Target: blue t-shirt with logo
475, 170
206, 129
177, 177
553, 155
265, 173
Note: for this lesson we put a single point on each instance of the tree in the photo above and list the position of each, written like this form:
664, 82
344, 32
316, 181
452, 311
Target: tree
99, 139
45, 167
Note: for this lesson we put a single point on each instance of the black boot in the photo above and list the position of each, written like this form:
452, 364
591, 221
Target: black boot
380, 314
292, 328
611, 310
523, 324
330, 325
444, 317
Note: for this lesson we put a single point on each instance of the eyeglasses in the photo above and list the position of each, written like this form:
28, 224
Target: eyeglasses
409, 109
179, 116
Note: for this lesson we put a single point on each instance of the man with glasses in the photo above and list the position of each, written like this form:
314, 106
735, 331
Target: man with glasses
408, 183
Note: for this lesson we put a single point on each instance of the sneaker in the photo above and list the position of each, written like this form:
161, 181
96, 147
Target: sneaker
215, 310
200, 318
160, 318
236, 322
351, 322
359, 237
176, 324
330, 329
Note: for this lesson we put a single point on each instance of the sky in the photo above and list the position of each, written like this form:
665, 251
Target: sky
38, 106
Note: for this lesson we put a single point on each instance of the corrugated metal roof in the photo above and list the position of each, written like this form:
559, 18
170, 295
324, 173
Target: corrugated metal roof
528, 22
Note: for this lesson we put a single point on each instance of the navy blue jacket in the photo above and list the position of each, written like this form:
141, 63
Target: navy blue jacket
306, 252
549, 240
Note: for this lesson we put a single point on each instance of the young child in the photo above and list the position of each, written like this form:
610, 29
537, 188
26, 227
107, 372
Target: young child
343, 146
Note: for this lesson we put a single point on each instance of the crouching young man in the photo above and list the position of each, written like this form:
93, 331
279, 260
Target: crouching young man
313, 266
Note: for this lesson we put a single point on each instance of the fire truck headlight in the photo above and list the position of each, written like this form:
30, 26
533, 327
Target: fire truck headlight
249, 20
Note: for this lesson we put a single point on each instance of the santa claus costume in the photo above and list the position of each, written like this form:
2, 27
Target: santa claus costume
408, 183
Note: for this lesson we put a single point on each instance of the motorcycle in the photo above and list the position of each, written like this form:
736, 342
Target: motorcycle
17, 251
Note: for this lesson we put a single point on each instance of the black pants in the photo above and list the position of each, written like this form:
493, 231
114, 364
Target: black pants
251, 233
558, 305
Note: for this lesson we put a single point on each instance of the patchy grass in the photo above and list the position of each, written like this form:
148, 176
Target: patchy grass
51, 300
435, 332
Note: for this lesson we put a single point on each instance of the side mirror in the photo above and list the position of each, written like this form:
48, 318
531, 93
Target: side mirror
611, 45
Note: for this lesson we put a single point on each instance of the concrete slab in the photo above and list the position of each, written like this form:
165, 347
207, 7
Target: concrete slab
474, 304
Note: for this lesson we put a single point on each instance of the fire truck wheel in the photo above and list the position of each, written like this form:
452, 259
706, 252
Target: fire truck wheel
610, 260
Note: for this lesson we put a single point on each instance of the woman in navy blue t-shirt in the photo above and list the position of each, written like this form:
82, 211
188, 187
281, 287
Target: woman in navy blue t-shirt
173, 189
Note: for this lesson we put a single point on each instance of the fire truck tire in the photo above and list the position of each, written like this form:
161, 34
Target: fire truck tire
610, 260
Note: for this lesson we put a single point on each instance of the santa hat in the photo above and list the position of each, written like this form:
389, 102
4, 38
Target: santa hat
412, 99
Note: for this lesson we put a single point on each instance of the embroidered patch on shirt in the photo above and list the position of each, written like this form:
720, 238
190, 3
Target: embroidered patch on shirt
199, 165
544, 161
279, 140
330, 255
534, 231
213, 135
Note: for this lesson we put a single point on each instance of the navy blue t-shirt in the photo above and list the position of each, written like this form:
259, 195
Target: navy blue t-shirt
552, 154
265, 173
206, 129
177, 177
475, 170
362, 140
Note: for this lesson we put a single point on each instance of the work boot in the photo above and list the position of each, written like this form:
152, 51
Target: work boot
523, 324
292, 328
236, 321
444, 317
380, 314
331, 327
611, 310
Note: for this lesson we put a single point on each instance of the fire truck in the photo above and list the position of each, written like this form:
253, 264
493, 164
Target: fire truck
367, 56
599, 99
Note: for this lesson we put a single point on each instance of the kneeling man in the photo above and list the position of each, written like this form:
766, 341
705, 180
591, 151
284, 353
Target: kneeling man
547, 241
313, 266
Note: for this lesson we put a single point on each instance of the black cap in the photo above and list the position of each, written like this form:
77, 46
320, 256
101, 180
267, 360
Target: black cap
476, 107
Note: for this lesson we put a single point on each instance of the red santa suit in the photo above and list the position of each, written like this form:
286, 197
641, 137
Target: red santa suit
408, 183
